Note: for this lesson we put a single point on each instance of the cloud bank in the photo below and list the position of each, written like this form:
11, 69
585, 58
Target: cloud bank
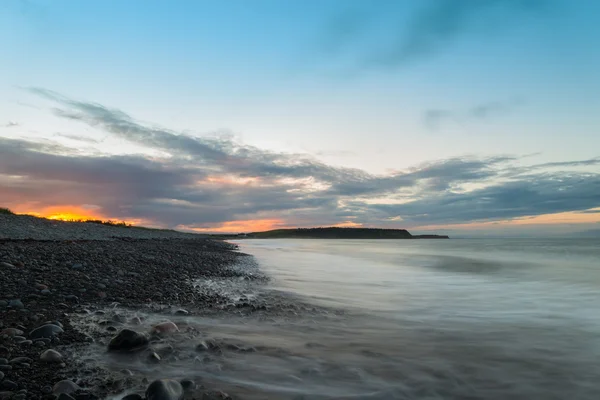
208, 182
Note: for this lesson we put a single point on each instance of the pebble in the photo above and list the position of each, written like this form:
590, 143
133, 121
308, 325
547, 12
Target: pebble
5, 395
8, 385
1, 375
164, 389
11, 332
187, 385
77, 266
65, 386
101, 286
21, 360
6, 265
18, 339
46, 331
128, 340
165, 327
46, 292
154, 358
72, 298
51, 356
41, 286
64, 396
3, 361
17, 304
182, 312
133, 396
26, 343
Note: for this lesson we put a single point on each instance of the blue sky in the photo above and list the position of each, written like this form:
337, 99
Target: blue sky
381, 87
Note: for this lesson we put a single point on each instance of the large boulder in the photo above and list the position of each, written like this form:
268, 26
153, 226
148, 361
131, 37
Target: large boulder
164, 389
128, 340
45, 331
65, 386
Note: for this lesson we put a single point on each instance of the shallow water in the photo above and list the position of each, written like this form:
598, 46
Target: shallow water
405, 319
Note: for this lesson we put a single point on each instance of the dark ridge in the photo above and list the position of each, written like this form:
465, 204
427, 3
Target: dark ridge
338, 233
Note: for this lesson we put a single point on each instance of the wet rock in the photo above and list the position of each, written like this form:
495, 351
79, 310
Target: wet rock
8, 385
26, 343
188, 385
45, 331
164, 389
11, 332
136, 321
46, 292
3, 361
5, 395
18, 339
21, 360
64, 396
128, 340
17, 304
133, 396
165, 328
41, 286
71, 298
5, 367
77, 266
51, 356
181, 311
65, 386
215, 395
1, 375
6, 265
154, 358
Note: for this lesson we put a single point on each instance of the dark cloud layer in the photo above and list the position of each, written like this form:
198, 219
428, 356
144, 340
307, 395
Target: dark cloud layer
206, 181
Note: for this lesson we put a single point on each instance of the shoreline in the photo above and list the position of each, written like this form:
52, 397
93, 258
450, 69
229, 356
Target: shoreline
58, 281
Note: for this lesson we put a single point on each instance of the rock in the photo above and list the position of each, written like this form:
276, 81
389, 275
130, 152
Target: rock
135, 321
181, 311
1, 375
164, 389
102, 295
128, 340
22, 282
51, 356
21, 360
18, 339
40, 286
6, 265
77, 266
46, 292
65, 386
165, 327
26, 343
133, 396
188, 385
64, 396
17, 304
4, 351
3, 303
71, 298
215, 395
3, 361
11, 332
6, 395
8, 385
5, 368
127, 372
45, 331
153, 358
101, 286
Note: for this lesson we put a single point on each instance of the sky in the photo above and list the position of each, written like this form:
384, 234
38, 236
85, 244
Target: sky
236, 116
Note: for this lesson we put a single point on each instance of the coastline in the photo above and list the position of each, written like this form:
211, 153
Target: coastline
61, 281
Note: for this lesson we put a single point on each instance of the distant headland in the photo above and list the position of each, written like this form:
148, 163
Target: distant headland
338, 233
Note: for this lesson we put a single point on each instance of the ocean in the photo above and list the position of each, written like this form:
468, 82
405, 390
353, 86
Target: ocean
404, 319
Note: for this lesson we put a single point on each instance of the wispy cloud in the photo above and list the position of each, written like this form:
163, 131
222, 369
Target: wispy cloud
435, 118
435, 27
11, 124
210, 181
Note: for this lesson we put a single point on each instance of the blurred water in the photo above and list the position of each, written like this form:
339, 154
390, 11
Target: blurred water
405, 319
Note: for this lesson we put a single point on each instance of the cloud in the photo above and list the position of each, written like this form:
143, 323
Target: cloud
78, 138
209, 181
11, 124
436, 118
433, 28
